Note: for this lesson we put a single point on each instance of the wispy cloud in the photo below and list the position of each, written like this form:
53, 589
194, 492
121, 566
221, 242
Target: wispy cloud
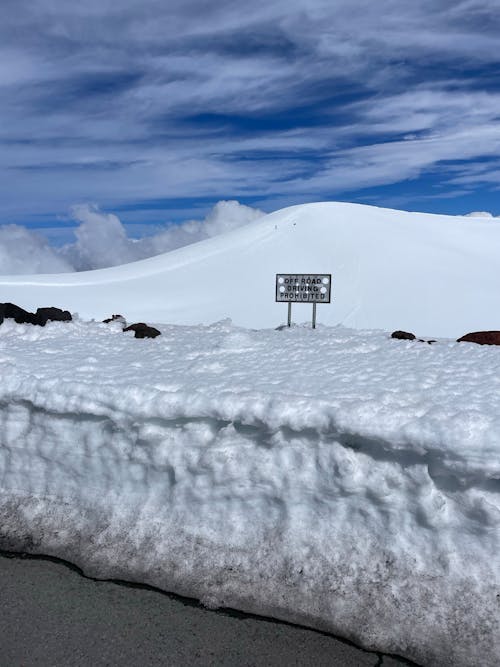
145, 99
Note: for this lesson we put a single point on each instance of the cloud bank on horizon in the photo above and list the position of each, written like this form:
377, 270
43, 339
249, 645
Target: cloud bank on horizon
148, 107
102, 241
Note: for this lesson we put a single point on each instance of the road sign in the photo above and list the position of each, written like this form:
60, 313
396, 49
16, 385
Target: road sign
303, 287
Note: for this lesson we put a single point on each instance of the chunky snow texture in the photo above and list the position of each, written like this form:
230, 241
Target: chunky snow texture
434, 275
335, 478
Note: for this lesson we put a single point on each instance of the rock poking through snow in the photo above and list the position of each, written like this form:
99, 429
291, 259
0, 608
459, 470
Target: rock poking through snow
44, 315
142, 330
41, 317
115, 318
403, 335
481, 338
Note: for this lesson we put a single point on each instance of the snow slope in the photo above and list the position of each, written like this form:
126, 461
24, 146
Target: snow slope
334, 477
436, 275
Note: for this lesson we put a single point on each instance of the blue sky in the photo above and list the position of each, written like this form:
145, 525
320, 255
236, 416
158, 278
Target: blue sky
156, 110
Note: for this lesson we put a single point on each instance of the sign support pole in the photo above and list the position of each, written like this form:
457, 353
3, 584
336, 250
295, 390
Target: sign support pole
289, 313
314, 314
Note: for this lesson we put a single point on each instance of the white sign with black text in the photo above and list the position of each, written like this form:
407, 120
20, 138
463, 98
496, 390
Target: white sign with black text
303, 288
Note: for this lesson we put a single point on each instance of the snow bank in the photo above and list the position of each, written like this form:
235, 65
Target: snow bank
335, 478
435, 275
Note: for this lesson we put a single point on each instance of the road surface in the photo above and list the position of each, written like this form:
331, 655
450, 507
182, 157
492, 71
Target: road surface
52, 616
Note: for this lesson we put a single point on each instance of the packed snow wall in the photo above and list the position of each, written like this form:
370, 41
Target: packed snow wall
334, 478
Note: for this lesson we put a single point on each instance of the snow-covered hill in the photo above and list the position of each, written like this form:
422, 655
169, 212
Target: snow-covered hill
436, 275
333, 477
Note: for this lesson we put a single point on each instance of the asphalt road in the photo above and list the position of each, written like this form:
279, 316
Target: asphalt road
52, 616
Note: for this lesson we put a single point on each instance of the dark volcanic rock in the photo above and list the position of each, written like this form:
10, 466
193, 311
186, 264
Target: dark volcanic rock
43, 315
21, 316
115, 318
142, 330
403, 335
481, 338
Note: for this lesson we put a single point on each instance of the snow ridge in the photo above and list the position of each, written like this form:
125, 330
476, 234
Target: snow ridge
332, 477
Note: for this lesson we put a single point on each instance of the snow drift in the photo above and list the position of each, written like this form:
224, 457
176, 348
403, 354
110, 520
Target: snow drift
437, 275
335, 478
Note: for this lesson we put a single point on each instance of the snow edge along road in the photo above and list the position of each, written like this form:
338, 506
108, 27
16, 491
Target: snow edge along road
370, 511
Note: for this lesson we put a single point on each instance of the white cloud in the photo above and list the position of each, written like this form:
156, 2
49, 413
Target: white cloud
23, 252
228, 215
479, 214
101, 240
224, 217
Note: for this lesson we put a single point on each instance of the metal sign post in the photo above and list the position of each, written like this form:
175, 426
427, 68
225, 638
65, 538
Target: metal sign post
303, 288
